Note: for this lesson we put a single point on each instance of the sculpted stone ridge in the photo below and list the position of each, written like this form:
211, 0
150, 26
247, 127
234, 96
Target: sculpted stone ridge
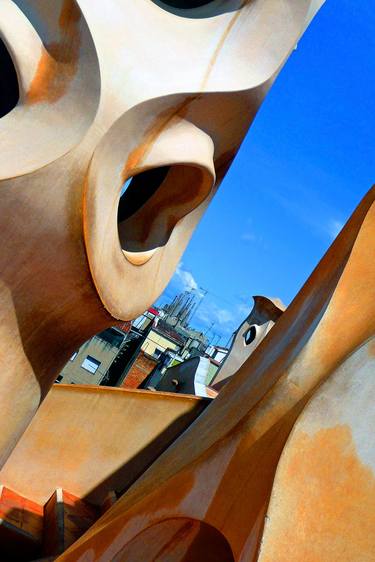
125, 121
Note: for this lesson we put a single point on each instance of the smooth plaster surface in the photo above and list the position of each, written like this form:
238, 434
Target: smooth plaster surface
89, 440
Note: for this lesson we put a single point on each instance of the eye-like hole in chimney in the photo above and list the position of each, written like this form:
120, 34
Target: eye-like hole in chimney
9, 90
154, 201
250, 335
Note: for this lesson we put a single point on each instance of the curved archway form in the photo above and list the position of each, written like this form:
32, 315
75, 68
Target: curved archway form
176, 540
59, 82
9, 89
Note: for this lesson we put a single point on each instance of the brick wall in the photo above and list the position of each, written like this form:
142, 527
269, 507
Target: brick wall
140, 369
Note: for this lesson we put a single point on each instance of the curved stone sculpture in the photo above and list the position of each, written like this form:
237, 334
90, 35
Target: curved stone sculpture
219, 476
106, 96
248, 336
126, 121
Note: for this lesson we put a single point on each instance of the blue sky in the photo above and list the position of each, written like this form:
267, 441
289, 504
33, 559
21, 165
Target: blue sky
305, 164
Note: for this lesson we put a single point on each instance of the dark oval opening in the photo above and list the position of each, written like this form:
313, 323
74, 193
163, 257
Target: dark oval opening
138, 189
250, 335
185, 4
197, 8
152, 203
9, 90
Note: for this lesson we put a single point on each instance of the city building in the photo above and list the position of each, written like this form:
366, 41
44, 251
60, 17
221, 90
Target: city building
168, 341
126, 356
178, 314
159, 346
156, 351
92, 361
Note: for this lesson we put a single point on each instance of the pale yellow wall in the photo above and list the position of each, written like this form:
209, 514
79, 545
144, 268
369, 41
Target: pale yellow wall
155, 340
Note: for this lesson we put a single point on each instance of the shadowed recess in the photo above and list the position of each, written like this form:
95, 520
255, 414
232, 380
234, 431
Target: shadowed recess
154, 201
9, 91
139, 189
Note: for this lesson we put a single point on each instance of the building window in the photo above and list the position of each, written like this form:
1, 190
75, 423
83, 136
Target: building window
73, 356
90, 364
59, 378
158, 352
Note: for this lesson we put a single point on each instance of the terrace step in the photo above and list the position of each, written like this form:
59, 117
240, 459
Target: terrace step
66, 518
33, 532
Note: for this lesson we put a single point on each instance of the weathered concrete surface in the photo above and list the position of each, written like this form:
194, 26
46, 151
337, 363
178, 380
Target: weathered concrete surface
221, 470
323, 498
107, 98
89, 440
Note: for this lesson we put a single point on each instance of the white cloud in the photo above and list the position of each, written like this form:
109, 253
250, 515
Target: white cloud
244, 309
225, 319
333, 228
185, 278
223, 315
209, 312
